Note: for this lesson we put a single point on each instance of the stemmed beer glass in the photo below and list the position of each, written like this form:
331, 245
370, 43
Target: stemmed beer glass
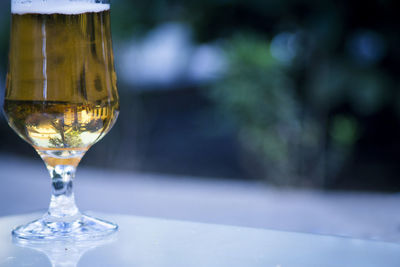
61, 97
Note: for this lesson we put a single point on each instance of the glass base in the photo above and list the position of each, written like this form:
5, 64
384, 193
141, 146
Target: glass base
80, 227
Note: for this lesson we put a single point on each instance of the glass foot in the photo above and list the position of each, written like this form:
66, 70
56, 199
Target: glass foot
80, 227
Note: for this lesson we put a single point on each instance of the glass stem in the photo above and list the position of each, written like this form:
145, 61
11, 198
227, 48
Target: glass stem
62, 205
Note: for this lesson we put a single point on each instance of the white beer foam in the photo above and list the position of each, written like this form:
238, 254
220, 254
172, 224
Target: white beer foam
56, 7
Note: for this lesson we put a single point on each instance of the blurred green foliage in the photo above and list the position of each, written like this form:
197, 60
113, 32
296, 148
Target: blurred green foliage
276, 134
4, 40
304, 79
299, 120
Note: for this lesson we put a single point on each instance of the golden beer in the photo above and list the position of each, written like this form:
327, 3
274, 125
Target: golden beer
61, 93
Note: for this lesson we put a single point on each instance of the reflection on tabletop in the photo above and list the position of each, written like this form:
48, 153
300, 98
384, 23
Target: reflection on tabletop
64, 253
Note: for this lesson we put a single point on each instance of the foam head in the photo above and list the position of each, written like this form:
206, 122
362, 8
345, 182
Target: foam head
67, 7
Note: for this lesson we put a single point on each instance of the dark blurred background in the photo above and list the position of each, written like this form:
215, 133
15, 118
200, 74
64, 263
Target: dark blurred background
295, 93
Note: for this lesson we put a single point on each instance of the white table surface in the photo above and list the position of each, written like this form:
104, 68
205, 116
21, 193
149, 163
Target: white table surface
143, 241
25, 188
